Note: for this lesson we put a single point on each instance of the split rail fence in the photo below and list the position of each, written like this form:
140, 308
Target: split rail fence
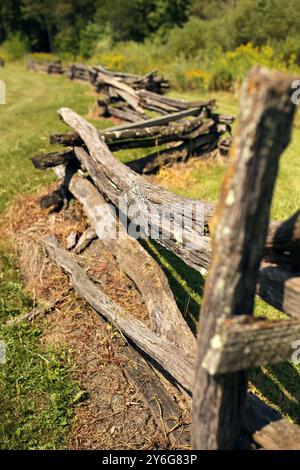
245, 253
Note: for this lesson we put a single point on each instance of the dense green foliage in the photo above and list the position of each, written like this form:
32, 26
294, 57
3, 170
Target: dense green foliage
197, 44
62, 25
77, 26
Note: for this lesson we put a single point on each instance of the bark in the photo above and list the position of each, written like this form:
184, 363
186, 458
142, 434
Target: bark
178, 104
240, 229
280, 288
276, 285
124, 113
149, 81
104, 169
147, 136
50, 160
152, 163
71, 139
123, 186
153, 137
163, 405
126, 92
259, 418
54, 199
82, 72
135, 261
284, 240
162, 351
242, 343
268, 428
85, 239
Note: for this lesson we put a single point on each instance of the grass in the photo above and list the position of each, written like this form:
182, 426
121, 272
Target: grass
37, 386
27, 120
37, 389
278, 385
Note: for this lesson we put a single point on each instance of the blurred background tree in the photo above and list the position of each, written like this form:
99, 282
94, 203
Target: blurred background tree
184, 28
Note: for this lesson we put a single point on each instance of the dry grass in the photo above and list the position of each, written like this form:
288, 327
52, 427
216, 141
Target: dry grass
193, 178
112, 416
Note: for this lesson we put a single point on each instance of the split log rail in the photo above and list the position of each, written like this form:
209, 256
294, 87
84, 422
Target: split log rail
245, 255
125, 96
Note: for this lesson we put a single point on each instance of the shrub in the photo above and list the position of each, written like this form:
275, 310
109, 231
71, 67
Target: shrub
231, 67
90, 40
44, 57
67, 41
187, 41
222, 77
15, 47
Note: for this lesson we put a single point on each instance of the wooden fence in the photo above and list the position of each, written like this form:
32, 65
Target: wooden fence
245, 254
127, 96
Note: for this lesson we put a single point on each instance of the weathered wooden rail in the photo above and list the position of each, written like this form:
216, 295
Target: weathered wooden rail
245, 254
100, 77
199, 137
126, 96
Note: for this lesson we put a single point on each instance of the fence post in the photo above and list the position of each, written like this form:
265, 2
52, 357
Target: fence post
239, 233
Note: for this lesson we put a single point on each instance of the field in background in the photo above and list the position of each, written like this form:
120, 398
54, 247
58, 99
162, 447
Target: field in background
26, 122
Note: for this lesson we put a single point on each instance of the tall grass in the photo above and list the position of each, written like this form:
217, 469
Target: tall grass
205, 71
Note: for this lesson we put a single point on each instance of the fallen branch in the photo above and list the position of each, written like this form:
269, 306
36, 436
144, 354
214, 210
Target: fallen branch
185, 217
72, 139
149, 136
152, 163
280, 288
116, 182
85, 239
163, 405
284, 240
268, 428
50, 160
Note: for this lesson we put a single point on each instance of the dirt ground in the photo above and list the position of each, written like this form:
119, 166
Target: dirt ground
114, 414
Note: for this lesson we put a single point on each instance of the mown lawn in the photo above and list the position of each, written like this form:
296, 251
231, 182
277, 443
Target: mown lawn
26, 122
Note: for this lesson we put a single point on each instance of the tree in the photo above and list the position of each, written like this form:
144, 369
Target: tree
44, 13
62, 18
140, 18
10, 18
211, 9
265, 21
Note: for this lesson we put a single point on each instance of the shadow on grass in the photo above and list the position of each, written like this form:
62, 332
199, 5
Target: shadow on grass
281, 385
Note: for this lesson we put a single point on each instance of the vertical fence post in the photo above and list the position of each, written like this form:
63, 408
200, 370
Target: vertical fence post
239, 232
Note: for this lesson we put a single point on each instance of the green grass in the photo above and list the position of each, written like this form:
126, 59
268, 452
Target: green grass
40, 420
37, 386
27, 120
